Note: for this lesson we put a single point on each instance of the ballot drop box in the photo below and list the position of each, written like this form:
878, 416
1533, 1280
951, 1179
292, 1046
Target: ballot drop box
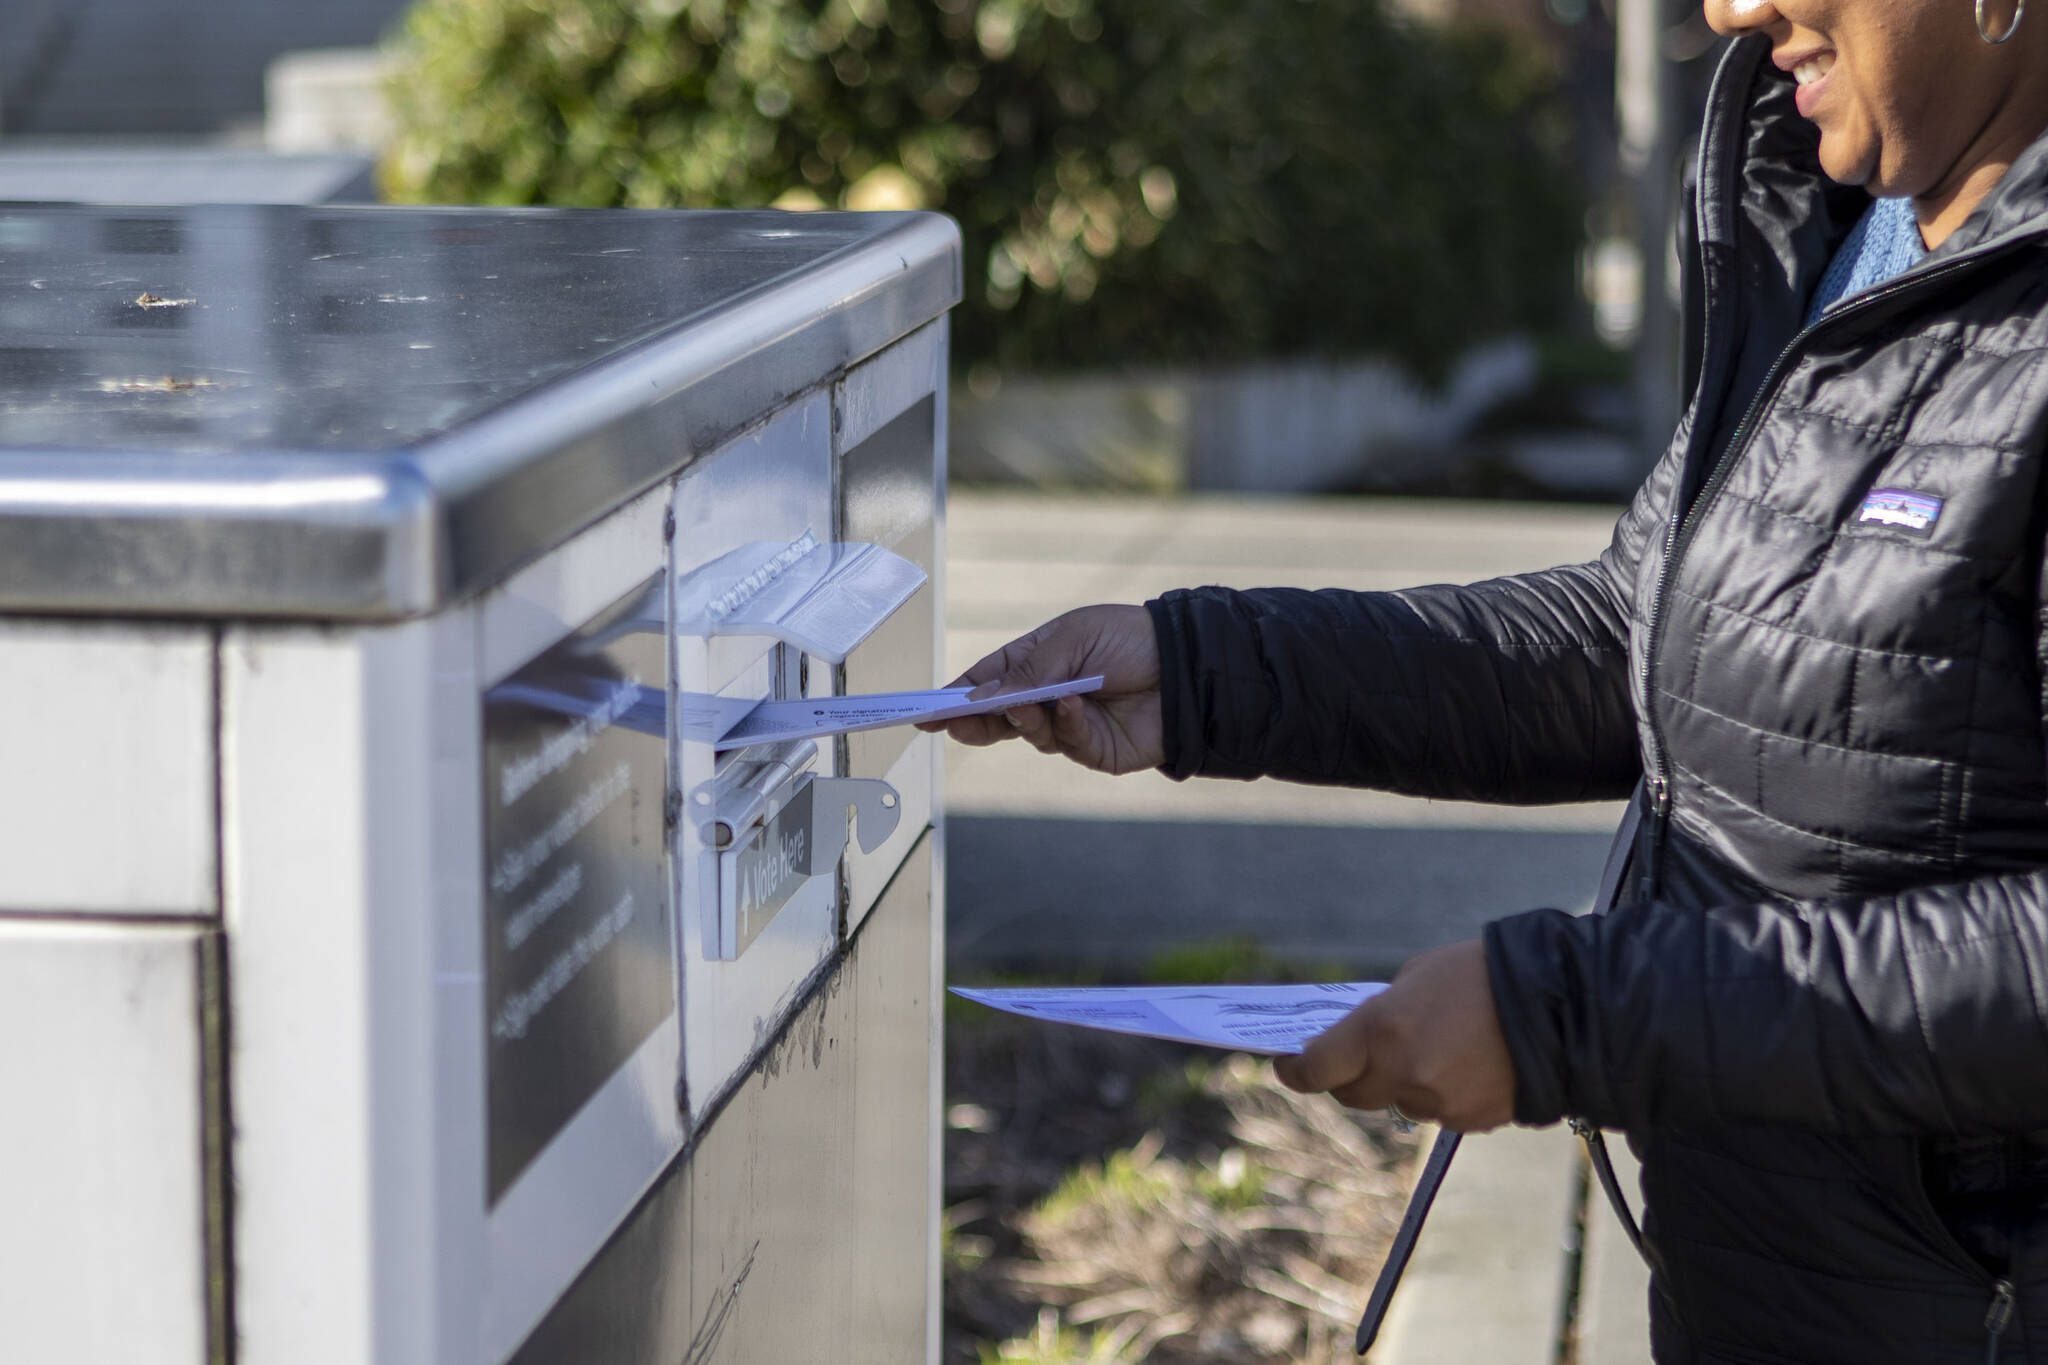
393, 967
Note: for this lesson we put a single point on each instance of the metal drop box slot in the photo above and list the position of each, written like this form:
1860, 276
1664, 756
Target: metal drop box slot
777, 825
765, 819
415, 977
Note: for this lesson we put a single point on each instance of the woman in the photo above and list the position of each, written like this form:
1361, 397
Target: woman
1815, 651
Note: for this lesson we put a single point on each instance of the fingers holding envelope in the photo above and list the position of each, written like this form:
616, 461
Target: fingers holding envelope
1430, 1044
1116, 729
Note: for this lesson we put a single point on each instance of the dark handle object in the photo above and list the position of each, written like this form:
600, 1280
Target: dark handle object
1426, 1186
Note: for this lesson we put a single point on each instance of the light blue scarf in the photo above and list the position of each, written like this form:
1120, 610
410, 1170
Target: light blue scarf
1885, 242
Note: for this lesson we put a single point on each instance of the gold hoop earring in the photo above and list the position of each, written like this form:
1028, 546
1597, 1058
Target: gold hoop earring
1982, 32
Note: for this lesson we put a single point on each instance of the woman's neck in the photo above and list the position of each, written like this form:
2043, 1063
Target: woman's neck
1945, 207
1942, 210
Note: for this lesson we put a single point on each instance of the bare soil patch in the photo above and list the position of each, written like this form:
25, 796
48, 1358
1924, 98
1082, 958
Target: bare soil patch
1113, 1199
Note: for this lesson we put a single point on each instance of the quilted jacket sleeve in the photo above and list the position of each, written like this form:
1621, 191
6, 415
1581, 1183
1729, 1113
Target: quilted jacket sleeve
1513, 690
1920, 1013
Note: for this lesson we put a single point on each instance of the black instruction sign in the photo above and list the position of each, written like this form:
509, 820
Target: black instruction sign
578, 962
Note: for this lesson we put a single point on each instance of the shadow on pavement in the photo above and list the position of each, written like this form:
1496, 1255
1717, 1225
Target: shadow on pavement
1043, 895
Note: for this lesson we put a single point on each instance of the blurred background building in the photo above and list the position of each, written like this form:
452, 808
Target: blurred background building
161, 67
1274, 310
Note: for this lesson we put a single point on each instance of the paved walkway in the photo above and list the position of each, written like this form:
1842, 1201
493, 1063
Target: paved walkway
1038, 849
1523, 1263
1048, 865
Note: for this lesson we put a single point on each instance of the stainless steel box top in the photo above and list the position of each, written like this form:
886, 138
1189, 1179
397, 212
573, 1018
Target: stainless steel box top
363, 413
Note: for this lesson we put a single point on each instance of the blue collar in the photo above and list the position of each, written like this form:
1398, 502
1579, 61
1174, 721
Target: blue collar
1885, 242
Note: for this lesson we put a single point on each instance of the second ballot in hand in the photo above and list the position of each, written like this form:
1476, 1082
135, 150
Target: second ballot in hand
1113, 730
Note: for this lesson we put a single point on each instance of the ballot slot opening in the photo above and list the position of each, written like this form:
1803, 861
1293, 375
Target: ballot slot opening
765, 818
753, 786
772, 816
748, 849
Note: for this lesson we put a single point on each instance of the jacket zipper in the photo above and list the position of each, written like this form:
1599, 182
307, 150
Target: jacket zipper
1680, 526
1997, 1319
2004, 1304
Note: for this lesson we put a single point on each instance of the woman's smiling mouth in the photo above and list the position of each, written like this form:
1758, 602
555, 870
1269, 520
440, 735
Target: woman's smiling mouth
1813, 68
1811, 72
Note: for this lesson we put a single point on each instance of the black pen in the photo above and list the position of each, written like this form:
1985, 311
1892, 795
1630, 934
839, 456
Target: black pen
1426, 1186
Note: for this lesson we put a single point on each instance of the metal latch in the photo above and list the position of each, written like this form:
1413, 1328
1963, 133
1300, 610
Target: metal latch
772, 824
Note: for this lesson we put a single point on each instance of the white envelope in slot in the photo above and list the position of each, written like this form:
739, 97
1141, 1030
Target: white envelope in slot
817, 717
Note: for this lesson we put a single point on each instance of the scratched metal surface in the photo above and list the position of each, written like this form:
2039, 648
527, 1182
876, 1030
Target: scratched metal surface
799, 1224
362, 412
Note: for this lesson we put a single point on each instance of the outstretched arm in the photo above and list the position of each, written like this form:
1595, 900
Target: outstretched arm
1514, 689
1510, 690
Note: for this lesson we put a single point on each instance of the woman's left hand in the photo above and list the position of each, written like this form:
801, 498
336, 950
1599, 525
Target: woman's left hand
1429, 1044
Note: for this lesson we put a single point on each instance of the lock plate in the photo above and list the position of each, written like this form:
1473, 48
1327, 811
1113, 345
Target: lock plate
804, 838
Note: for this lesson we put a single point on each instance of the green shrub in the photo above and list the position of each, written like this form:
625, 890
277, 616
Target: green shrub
1137, 180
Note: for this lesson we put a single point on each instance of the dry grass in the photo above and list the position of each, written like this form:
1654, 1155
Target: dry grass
1114, 1200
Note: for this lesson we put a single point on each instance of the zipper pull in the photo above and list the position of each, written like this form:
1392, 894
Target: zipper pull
1997, 1318
1660, 795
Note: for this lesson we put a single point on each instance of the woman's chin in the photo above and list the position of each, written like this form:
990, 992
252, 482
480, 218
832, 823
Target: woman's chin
1848, 165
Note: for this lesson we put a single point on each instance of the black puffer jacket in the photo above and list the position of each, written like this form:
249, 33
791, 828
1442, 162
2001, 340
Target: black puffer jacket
1815, 649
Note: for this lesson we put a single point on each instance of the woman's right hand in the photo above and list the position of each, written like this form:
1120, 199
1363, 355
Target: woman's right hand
1114, 730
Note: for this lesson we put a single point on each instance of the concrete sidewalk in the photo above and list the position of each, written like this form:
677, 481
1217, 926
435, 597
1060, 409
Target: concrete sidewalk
1522, 1262
1049, 865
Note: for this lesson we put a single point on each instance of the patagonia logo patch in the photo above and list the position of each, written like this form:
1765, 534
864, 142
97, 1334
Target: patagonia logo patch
1914, 513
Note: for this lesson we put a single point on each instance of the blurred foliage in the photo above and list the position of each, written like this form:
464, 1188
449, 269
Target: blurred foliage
1136, 180
1239, 958
1127, 1182
1052, 1342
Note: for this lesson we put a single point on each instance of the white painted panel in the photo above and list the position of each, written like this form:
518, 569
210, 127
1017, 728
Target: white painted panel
333, 823
106, 732
353, 772
460, 1099
102, 1246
